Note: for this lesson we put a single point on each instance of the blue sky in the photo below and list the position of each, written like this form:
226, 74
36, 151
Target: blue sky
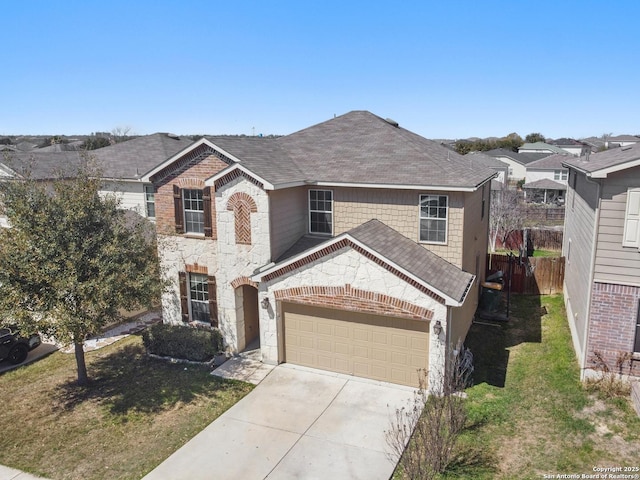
445, 69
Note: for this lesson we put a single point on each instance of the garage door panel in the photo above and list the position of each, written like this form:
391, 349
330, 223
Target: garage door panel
361, 334
305, 325
361, 352
325, 345
372, 346
306, 342
399, 358
342, 348
342, 331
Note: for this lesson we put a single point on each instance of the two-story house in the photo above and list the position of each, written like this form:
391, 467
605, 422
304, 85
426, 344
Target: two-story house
351, 246
546, 180
120, 165
517, 162
602, 250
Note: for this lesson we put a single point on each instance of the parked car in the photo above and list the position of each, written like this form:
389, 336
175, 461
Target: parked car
15, 348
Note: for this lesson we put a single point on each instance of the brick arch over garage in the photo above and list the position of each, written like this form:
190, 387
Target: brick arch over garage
353, 299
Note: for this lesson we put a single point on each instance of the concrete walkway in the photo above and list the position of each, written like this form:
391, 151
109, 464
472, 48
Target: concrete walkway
297, 423
7, 473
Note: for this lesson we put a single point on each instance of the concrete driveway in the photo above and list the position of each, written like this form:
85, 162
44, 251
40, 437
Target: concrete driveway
298, 423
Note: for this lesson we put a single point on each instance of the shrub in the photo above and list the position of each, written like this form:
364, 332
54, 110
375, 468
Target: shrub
609, 382
189, 343
423, 436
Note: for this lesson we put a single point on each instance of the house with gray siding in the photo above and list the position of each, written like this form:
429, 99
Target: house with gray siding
352, 246
121, 166
602, 250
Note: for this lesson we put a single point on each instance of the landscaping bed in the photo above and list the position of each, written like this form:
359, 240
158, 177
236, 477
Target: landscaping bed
134, 414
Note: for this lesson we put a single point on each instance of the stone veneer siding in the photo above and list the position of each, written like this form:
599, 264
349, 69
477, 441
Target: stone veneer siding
614, 310
345, 270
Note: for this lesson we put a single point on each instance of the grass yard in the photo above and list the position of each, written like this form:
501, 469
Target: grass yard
136, 412
529, 414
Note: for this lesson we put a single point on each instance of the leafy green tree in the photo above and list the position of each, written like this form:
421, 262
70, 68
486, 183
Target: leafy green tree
72, 259
513, 141
535, 137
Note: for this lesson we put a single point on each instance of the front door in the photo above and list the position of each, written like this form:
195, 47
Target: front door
250, 308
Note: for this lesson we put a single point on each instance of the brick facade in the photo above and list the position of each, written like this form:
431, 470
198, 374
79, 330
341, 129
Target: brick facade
185, 175
242, 206
614, 310
354, 300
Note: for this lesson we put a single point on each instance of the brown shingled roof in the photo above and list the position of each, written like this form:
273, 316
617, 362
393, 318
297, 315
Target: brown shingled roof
444, 277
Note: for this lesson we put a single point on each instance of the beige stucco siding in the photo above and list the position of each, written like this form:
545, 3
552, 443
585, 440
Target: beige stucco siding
398, 209
289, 218
578, 251
615, 263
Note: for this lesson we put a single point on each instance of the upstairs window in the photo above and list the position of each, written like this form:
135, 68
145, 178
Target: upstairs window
433, 218
150, 201
193, 211
560, 175
321, 211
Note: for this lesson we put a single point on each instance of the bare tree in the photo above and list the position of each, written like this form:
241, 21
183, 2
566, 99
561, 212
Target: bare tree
423, 436
120, 134
506, 216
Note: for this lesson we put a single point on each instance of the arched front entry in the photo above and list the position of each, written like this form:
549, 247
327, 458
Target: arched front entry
247, 317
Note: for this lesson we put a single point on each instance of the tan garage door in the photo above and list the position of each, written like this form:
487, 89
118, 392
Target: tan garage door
372, 346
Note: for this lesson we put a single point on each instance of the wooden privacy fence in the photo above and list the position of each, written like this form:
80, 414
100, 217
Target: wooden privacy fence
532, 275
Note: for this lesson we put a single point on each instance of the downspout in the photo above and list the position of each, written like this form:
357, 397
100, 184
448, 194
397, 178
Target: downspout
592, 267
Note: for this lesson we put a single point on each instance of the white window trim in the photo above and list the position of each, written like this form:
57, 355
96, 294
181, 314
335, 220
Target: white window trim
446, 219
631, 233
206, 291
320, 211
149, 190
185, 210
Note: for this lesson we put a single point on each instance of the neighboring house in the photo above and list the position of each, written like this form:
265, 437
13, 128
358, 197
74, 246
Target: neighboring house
571, 146
621, 141
546, 180
124, 163
601, 247
595, 143
501, 168
540, 147
351, 246
517, 162
121, 166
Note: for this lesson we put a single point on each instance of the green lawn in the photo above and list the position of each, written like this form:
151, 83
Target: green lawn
529, 414
136, 412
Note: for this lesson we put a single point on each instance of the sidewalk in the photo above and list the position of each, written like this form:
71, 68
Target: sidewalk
7, 473
119, 332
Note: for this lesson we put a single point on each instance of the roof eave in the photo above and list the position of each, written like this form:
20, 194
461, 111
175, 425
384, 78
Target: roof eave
449, 301
237, 166
203, 141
